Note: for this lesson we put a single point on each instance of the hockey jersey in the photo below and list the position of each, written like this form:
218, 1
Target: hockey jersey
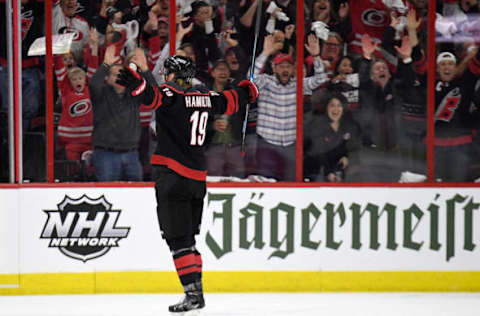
63, 24
454, 117
181, 125
32, 25
76, 120
369, 17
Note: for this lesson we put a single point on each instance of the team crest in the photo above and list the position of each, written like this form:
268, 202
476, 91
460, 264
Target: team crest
374, 18
78, 34
80, 108
83, 228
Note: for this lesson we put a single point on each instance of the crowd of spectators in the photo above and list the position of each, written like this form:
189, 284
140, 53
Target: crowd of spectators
365, 87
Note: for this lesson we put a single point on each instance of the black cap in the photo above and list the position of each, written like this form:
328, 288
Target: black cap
197, 5
218, 62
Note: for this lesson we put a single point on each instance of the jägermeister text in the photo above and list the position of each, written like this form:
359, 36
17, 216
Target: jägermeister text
397, 225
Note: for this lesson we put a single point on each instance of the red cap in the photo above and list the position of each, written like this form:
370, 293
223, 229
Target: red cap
163, 19
280, 58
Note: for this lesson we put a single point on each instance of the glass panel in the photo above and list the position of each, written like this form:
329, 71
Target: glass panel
33, 94
4, 100
223, 55
457, 91
367, 122
89, 111
270, 136
73, 113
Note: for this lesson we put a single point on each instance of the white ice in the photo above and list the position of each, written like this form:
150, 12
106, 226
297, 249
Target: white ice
255, 304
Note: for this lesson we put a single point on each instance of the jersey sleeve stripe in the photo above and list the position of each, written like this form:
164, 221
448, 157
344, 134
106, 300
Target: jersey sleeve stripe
172, 88
235, 94
232, 103
157, 100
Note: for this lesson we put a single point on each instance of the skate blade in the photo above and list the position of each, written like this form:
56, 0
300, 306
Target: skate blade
195, 312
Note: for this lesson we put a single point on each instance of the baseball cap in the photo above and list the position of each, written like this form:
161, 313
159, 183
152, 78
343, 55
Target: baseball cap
163, 19
446, 56
218, 62
280, 58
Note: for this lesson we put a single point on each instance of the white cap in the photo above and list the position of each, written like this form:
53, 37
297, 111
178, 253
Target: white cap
446, 56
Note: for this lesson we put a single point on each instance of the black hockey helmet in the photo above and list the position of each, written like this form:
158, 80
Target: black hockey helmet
182, 67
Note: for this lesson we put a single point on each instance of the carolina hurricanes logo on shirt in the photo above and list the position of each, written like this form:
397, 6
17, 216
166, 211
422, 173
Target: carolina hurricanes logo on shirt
373, 17
78, 35
80, 108
27, 21
448, 106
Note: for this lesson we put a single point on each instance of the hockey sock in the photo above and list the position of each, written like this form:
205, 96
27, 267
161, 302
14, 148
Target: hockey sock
185, 259
186, 266
198, 262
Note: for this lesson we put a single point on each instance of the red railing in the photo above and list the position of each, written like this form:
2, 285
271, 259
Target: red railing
300, 50
49, 94
17, 92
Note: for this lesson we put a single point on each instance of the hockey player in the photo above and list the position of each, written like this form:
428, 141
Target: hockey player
178, 164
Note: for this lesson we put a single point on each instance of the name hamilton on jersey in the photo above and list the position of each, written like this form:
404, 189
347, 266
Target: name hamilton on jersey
197, 101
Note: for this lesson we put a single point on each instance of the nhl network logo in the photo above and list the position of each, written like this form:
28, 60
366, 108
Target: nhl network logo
83, 228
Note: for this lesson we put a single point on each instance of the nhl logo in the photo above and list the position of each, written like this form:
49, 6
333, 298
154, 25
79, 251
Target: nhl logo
83, 228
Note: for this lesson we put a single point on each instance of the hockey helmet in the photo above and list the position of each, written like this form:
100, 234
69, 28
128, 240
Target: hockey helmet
182, 67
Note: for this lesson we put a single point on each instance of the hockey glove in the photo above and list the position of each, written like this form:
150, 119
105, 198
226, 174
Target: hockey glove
132, 81
136, 85
251, 88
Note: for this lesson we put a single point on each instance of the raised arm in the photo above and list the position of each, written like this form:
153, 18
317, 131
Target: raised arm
269, 48
405, 69
412, 26
91, 53
247, 18
60, 71
368, 49
165, 53
233, 100
140, 59
320, 76
96, 82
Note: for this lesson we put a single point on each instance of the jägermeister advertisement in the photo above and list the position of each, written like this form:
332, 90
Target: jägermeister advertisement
343, 228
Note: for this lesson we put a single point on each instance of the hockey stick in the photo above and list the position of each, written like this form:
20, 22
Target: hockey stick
252, 68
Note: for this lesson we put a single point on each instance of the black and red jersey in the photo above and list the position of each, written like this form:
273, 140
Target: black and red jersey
32, 27
181, 124
454, 116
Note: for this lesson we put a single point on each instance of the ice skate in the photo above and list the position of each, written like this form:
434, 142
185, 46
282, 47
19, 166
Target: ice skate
193, 300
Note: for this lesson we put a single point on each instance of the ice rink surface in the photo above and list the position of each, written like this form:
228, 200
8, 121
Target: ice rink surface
255, 304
